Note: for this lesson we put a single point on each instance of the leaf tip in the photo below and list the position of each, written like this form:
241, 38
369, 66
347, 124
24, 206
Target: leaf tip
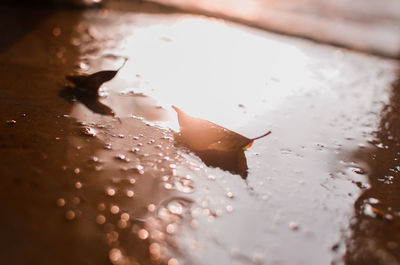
176, 109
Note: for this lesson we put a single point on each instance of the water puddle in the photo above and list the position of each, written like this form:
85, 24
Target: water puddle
111, 184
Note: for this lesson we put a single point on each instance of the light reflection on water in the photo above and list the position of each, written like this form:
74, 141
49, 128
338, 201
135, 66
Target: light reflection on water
218, 74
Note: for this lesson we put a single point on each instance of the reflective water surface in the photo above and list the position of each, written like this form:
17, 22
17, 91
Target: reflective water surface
102, 181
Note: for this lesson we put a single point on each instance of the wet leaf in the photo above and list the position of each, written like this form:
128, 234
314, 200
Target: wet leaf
215, 145
90, 83
202, 135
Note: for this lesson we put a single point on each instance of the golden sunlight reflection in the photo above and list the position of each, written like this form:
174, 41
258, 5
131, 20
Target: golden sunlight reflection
215, 70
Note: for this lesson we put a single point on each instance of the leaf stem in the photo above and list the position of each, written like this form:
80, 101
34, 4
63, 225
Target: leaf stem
123, 64
261, 136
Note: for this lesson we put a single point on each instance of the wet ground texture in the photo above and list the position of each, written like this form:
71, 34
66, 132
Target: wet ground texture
103, 180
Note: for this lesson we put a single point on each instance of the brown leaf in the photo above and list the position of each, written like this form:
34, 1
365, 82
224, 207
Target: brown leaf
90, 83
200, 135
215, 145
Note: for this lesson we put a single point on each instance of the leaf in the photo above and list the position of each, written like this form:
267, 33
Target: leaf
201, 135
215, 145
90, 83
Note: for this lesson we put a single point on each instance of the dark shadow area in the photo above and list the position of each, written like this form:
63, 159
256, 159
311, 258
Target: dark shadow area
234, 162
90, 101
53, 187
17, 21
375, 236
140, 6
34, 144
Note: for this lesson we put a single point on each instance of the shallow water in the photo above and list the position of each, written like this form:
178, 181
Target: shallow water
103, 181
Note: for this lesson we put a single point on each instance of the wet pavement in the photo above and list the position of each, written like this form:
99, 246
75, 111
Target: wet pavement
103, 181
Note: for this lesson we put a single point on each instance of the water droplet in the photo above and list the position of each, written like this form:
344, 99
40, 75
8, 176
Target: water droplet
78, 185
112, 236
132, 180
139, 169
229, 195
77, 170
229, 208
110, 191
175, 208
151, 207
94, 159
143, 234
61, 202
135, 150
373, 200
211, 177
206, 212
100, 219
125, 217
170, 228
122, 224
184, 186
70, 215
88, 131
114, 209
154, 250
130, 193
122, 157
167, 186
76, 42
56, 31
358, 171
115, 256
293, 226
164, 178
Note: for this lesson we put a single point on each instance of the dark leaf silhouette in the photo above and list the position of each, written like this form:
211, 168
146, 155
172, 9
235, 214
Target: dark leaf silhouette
84, 88
90, 83
214, 144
